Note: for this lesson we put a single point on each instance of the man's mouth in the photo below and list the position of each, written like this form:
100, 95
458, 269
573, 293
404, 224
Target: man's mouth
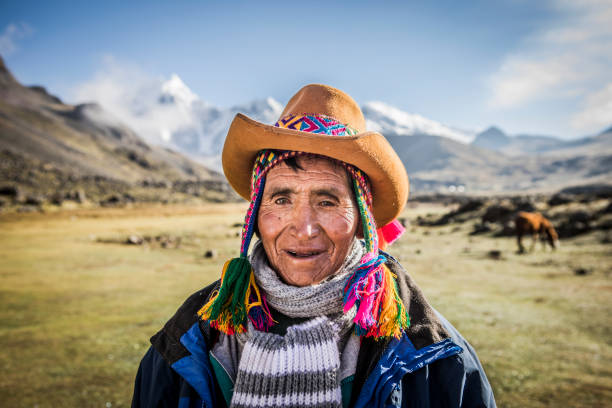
303, 254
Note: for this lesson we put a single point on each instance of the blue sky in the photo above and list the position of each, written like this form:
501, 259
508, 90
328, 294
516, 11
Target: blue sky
541, 67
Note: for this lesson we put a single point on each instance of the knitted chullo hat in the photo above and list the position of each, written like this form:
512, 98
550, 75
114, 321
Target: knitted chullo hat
371, 288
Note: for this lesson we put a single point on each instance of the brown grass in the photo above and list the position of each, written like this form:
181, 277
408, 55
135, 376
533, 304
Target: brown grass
76, 313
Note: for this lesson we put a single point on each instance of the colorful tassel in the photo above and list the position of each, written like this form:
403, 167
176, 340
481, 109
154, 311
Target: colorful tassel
389, 233
237, 298
372, 287
380, 311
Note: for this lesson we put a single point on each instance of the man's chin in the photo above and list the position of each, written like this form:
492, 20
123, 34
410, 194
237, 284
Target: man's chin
302, 275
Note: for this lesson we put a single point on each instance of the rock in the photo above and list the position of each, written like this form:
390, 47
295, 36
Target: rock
10, 191
571, 229
34, 200
580, 216
495, 254
168, 241
57, 198
134, 240
522, 204
559, 199
582, 271
480, 228
112, 200
211, 253
604, 225
237, 225
497, 213
469, 206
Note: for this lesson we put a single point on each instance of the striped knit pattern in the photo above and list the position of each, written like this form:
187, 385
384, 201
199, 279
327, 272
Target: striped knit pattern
300, 369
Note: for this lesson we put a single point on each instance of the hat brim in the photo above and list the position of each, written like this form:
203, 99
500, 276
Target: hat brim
368, 151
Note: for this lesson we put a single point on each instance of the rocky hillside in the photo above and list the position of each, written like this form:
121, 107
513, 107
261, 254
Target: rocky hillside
50, 151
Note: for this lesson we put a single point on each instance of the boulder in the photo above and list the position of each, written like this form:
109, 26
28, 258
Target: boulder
481, 228
582, 271
134, 240
495, 254
57, 198
210, 253
35, 200
498, 213
10, 191
559, 199
523, 204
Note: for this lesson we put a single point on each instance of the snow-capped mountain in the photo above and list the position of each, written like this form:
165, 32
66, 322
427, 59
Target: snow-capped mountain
205, 126
198, 128
391, 121
435, 155
175, 91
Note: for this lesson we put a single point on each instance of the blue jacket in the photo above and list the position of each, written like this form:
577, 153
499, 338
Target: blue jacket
432, 365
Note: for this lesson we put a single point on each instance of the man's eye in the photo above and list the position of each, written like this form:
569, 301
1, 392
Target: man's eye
327, 203
281, 201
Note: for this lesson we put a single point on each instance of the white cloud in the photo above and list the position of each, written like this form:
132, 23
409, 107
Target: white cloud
133, 96
570, 59
597, 111
11, 34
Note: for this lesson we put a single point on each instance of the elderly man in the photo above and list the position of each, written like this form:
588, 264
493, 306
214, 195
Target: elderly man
316, 315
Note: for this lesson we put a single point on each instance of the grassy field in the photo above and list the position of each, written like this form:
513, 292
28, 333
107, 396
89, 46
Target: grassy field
77, 305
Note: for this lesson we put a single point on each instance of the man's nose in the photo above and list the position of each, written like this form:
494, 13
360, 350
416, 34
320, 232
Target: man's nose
305, 221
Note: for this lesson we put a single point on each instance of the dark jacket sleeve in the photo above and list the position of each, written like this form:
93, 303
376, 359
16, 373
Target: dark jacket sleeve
458, 381
157, 384
447, 383
471, 383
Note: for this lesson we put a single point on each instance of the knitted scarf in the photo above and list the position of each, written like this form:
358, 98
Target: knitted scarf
324, 298
301, 368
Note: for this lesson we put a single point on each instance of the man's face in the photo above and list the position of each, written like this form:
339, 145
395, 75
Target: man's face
307, 220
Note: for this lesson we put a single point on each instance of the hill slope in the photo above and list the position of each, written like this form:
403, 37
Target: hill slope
40, 134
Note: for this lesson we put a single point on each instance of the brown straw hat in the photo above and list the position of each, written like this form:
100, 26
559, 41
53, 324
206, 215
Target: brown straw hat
368, 151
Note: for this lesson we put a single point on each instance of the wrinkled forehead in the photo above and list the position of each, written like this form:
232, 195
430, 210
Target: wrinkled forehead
323, 168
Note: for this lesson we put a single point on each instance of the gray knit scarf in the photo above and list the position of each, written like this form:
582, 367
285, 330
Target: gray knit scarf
301, 368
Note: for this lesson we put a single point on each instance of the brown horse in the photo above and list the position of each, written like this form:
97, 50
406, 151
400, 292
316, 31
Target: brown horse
534, 224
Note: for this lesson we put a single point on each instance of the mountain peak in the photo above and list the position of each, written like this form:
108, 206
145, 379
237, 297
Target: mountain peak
175, 90
266, 110
6, 77
491, 138
390, 121
493, 131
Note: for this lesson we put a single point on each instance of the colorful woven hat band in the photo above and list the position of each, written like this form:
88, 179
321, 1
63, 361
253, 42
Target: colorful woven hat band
371, 289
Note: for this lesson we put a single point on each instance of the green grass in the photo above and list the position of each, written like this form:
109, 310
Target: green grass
77, 310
